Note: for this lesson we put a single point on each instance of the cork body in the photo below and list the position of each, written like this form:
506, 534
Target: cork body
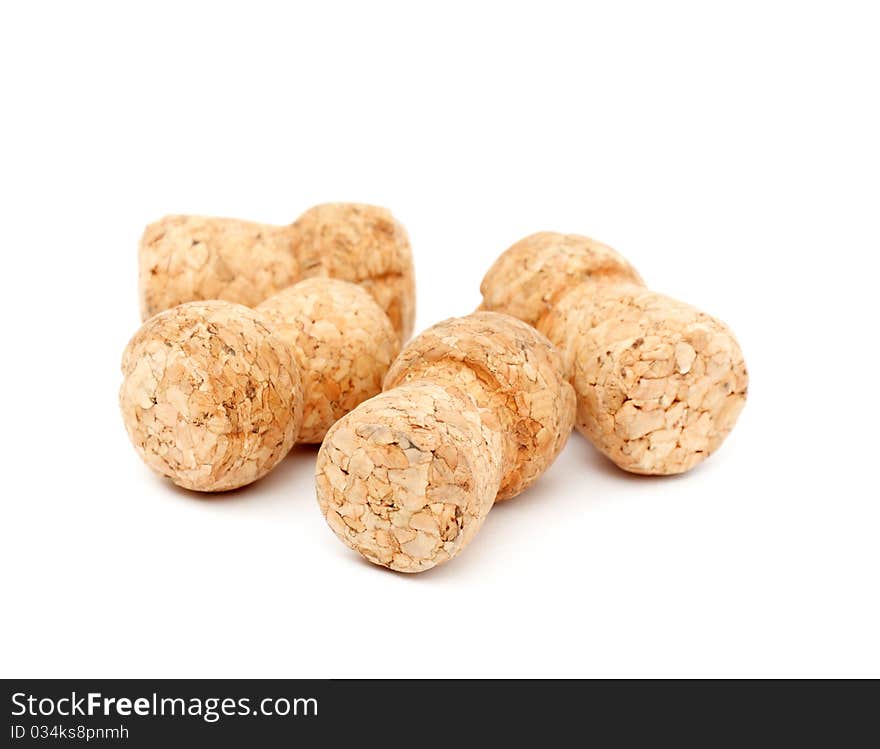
474, 409
659, 384
192, 258
342, 341
211, 395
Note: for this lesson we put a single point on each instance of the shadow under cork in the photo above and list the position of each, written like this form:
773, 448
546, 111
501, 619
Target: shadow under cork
299, 464
569, 492
601, 465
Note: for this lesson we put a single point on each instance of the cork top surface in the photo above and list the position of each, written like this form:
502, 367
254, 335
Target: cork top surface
408, 477
211, 395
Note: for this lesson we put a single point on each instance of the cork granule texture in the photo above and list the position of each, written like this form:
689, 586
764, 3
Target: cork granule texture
407, 478
474, 410
513, 373
365, 245
211, 395
659, 384
529, 278
193, 258
342, 341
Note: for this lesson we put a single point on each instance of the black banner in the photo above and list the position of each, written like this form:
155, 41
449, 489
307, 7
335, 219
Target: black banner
148, 713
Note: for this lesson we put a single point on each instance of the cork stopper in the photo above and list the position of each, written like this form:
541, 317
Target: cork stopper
529, 278
659, 384
474, 410
342, 341
211, 395
214, 393
193, 258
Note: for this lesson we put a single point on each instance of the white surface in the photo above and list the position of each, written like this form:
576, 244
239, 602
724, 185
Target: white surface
732, 155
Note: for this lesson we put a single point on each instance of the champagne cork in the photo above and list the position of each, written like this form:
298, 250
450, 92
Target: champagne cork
215, 394
474, 410
659, 383
194, 258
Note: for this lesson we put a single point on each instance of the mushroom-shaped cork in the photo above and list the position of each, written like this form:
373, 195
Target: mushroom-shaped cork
194, 258
215, 394
659, 384
474, 410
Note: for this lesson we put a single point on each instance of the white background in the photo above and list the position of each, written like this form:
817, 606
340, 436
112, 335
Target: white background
730, 151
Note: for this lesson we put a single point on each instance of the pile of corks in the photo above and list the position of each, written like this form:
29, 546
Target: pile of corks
257, 337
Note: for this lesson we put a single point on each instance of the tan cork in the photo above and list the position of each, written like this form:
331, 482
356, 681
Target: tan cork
474, 410
193, 258
659, 384
211, 395
215, 394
